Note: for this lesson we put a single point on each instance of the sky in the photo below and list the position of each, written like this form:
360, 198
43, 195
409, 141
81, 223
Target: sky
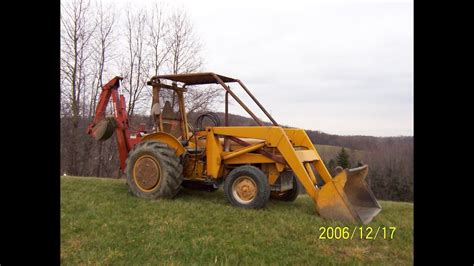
340, 67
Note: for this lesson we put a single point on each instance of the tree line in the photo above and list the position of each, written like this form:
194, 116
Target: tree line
390, 168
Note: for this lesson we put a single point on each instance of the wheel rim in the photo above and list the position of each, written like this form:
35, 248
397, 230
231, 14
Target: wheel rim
244, 189
146, 173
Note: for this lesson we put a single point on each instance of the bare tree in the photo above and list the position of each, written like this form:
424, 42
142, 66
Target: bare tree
103, 41
102, 46
200, 99
184, 57
75, 38
136, 71
76, 33
157, 31
183, 45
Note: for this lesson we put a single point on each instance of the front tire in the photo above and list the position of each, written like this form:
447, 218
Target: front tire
247, 187
153, 171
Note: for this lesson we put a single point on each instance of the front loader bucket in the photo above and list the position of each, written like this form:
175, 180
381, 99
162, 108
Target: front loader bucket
348, 197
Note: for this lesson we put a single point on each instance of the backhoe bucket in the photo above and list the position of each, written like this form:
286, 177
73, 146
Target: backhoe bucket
348, 197
104, 129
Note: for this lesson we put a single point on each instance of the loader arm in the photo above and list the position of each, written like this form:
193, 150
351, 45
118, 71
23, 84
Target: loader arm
335, 199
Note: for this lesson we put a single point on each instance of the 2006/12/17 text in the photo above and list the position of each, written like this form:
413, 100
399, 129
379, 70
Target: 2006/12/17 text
358, 232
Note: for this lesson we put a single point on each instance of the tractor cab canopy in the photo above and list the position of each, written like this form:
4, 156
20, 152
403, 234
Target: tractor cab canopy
202, 78
196, 78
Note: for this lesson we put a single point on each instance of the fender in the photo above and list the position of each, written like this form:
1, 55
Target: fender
168, 139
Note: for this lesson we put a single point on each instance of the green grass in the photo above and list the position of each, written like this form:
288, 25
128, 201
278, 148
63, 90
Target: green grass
101, 223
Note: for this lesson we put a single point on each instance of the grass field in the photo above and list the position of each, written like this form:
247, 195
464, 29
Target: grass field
101, 223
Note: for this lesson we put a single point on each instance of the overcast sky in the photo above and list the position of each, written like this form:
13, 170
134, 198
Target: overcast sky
341, 67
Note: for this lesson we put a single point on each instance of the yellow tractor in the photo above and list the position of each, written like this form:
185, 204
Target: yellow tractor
254, 163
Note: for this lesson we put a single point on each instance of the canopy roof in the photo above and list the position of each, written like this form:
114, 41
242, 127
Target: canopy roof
196, 78
212, 78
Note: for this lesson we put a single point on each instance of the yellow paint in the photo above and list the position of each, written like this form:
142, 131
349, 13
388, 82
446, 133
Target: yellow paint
310, 172
275, 137
243, 150
249, 158
307, 155
280, 167
272, 173
194, 169
299, 153
168, 139
213, 154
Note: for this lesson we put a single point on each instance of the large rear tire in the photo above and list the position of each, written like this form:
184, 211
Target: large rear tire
247, 187
153, 171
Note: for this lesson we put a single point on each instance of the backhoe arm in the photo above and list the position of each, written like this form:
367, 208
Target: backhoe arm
102, 128
104, 99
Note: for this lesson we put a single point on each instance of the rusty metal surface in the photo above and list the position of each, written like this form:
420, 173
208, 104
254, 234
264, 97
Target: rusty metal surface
244, 189
258, 103
104, 129
348, 197
360, 195
227, 88
105, 95
226, 118
156, 84
147, 173
195, 78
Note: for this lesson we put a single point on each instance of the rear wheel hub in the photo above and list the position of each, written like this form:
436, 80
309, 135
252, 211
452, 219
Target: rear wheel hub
146, 173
